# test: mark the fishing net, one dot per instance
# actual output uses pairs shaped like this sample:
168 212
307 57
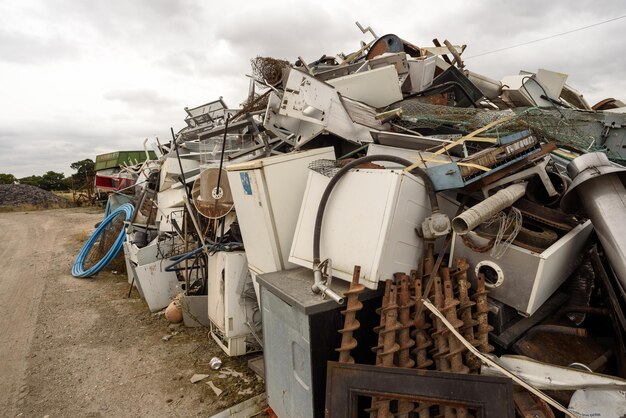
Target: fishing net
566 128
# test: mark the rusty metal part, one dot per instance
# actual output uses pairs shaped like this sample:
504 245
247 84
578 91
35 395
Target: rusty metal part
429 257
350 323
482 311
422 341
390 347
404 337
534 234
440 350
449 310
387 346
469 243
465 312
373 410
344 381
548 216
456 347
381 326
528 405
391 43
559 329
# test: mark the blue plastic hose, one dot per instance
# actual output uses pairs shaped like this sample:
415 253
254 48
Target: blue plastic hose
107 208
78 270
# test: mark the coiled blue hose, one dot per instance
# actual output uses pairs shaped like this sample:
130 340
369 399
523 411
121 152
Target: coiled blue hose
78 268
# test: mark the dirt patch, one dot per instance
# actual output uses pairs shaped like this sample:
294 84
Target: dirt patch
94 352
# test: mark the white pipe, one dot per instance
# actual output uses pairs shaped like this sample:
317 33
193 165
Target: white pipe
478 214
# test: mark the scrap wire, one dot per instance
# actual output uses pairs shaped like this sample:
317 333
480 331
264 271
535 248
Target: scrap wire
495 365
513 219
498 248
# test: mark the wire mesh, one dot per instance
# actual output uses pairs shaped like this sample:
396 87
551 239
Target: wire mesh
568 128
326 168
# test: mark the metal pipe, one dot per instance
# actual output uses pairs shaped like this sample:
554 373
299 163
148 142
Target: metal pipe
558 329
319 286
604 200
484 210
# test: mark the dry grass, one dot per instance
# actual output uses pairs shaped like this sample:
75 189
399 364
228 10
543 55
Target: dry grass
67 195
27 207
80 237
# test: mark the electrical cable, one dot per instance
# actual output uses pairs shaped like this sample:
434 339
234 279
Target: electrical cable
546 38
78 270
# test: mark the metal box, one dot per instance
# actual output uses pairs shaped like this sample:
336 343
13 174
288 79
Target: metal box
421 73
300 336
525 279
370 221
228 274
267 195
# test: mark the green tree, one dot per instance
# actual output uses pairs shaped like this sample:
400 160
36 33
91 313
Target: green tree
7 178
53 181
31 180
84 168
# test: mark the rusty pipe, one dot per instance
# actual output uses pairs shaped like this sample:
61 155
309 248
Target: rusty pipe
559 329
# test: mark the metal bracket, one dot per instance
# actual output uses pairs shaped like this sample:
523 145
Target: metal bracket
538 169
326 267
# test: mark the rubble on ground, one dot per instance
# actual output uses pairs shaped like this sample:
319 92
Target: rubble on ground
30 197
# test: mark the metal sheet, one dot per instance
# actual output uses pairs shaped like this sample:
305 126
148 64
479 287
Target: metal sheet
376 88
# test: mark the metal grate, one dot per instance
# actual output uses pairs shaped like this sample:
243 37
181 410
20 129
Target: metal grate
326 168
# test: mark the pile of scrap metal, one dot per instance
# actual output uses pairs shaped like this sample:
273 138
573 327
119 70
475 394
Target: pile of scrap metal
480 237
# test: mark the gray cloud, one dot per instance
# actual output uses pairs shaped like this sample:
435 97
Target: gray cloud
187 52
310 31
141 99
22 48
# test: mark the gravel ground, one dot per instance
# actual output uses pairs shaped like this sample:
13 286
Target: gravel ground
80 348
31 197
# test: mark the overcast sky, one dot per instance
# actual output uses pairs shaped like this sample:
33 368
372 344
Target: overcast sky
80 78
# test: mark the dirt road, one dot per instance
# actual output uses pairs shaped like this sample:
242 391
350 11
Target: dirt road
78 347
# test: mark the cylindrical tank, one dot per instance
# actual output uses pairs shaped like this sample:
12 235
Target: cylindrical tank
599 187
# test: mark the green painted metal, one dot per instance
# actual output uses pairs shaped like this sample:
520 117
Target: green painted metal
119 158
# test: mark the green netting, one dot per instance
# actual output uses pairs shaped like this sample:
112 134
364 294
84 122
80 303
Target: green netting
573 129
